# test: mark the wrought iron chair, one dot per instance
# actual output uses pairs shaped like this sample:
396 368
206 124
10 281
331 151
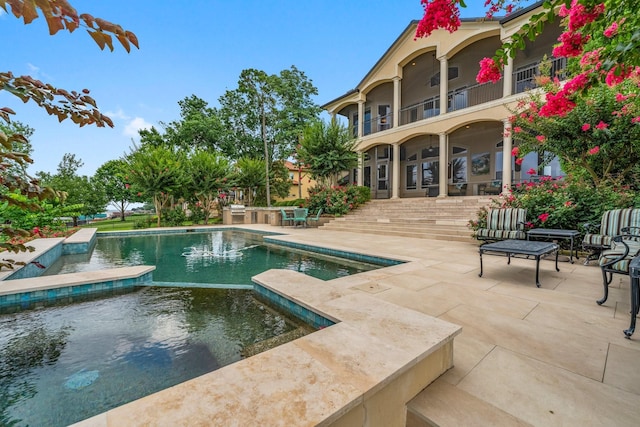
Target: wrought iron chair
316 218
624 248
503 224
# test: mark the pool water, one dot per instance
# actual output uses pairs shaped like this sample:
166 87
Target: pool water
215 257
69 362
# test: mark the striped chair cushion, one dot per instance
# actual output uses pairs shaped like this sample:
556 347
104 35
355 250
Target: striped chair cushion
506 219
488 234
621 266
596 240
634 247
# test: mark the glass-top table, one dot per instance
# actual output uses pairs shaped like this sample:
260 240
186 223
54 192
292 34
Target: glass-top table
525 248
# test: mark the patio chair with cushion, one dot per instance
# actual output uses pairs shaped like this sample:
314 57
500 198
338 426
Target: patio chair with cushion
624 248
503 224
285 218
611 224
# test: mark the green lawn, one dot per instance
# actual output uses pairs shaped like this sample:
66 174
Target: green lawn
128 223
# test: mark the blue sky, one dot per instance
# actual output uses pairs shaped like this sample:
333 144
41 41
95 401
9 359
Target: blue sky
190 47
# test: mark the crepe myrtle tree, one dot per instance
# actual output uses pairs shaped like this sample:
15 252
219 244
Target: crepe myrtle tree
114 178
604 34
76 106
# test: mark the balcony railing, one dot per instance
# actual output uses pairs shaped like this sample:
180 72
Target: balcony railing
378 124
456 100
474 95
525 78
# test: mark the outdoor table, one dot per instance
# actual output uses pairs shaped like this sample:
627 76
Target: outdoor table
528 248
634 274
556 233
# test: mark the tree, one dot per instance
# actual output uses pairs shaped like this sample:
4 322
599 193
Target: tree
602 121
85 194
114 178
250 176
327 149
604 34
159 173
79 107
199 126
265 115
210 175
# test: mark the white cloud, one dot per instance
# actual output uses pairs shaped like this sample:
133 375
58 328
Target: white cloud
119 114
132 128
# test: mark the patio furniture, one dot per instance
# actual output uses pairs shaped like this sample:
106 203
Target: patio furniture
526 248
285 218
503 224
316 218
616 260
634 275
611 224
300 216
555 233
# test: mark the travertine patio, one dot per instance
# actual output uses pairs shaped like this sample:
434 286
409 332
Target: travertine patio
526 356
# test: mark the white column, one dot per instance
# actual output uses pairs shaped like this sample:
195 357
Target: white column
444 83
395 176
360 168
444 163
360 118
507 76
396 101
506 158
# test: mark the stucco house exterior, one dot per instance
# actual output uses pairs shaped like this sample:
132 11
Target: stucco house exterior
406 130
301 181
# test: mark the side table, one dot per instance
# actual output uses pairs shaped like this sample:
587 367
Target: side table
556 233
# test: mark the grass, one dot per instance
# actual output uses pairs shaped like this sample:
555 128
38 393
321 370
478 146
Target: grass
117 224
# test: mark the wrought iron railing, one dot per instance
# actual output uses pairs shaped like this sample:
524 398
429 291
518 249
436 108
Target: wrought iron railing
525 78
378 124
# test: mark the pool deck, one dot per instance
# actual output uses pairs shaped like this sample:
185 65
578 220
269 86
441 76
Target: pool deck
525 356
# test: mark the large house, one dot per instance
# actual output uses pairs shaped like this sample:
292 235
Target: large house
420 108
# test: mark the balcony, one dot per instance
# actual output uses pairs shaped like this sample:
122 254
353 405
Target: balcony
524 78
457 99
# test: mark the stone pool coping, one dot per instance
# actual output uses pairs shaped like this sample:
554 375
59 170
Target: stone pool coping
362 370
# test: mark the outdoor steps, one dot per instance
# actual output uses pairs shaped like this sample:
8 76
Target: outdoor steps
428 218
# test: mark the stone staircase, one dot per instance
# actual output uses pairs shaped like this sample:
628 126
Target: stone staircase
428 218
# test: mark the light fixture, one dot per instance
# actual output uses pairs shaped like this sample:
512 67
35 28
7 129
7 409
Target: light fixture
413 63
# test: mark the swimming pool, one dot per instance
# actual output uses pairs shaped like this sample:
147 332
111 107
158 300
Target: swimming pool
65 363
69 362
213 257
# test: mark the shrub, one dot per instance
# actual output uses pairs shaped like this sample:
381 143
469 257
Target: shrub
175 217
568 204
337 200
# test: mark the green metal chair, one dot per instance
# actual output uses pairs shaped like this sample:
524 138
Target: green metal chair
285 218
316 218
300 216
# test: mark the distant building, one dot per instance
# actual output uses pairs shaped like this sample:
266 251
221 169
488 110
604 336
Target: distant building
301 181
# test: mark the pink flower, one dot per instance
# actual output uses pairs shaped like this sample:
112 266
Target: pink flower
489 71
602 125
438 14
531 171
543 217
515 151
558 104
517 129
586 127
519 161
611 31
594 150
577 83
568 203
541 138
635 119
571 44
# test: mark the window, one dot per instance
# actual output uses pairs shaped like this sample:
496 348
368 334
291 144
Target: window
412 177
431 107
367 121
384 117
354 125
430 173
452 74
383 152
